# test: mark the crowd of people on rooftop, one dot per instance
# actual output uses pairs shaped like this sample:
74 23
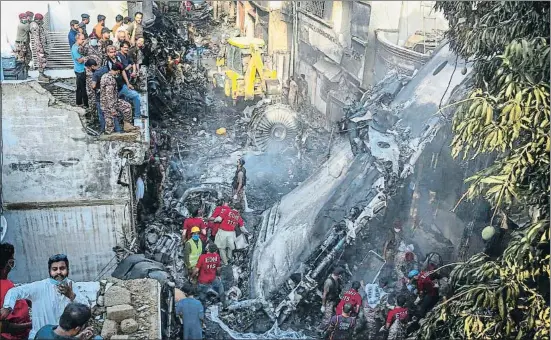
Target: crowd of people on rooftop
107 64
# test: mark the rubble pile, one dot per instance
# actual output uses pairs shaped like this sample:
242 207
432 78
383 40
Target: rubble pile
128 309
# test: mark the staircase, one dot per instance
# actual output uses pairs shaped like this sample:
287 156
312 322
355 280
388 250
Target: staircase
58 51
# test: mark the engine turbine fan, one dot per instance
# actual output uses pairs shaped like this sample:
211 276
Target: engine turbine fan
274 127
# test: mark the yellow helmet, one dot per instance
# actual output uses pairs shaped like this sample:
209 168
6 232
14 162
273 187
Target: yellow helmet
195 230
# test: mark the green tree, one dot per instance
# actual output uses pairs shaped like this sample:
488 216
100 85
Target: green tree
506 117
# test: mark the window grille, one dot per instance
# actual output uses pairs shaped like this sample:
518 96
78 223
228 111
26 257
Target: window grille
316 8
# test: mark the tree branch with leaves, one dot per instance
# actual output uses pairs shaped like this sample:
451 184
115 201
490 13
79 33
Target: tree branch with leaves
506 118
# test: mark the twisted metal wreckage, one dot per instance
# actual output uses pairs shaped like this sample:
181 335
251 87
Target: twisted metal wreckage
387 131
294 236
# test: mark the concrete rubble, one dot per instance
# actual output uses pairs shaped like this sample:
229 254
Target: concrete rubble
128 309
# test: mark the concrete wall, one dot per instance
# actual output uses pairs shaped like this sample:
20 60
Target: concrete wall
60 190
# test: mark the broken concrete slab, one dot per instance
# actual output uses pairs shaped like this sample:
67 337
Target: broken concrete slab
116 296
120 312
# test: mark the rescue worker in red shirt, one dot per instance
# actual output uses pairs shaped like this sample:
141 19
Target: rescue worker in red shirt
194 221
353 298
18 324
216 217
427 292
396 320
207 271
225 236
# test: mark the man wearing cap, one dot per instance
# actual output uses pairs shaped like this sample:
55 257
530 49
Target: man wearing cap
39 45
85 21
110 103
73 32
22 40
193 249
49 297
104 42
100 25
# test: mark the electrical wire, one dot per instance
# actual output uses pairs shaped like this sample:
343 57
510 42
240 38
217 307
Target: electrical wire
449 83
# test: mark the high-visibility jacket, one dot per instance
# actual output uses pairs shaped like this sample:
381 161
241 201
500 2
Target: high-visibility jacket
196 251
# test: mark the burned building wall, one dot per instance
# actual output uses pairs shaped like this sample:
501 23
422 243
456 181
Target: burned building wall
60 185
389 56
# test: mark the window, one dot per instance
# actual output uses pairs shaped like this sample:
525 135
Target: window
317 8
361 14
234 59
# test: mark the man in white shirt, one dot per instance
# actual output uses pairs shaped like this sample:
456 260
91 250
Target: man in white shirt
49 296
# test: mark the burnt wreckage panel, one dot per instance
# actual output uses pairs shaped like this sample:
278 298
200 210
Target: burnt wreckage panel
387 131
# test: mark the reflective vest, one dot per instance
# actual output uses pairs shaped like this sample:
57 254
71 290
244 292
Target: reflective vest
196 251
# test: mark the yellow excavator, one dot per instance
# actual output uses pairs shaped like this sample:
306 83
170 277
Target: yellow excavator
242 71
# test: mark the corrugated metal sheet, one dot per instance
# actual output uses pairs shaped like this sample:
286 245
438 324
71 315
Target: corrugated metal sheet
86 234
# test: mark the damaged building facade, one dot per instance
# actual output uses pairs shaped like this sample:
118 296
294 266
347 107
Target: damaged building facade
342 47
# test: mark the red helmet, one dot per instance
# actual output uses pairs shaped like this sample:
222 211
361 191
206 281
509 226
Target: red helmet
23 16
38 16
29 14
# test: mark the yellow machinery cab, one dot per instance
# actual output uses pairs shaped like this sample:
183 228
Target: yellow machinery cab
245 73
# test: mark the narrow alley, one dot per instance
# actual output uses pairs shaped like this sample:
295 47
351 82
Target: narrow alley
271 170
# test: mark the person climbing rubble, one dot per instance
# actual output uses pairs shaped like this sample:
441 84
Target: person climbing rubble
192 313
341 327
207 272
352 296
194 221
193 248
238 184
330 298
39 45
49 297
427 293
396 320
225 238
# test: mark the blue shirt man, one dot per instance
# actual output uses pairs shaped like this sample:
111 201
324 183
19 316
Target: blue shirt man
193 314
79 65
